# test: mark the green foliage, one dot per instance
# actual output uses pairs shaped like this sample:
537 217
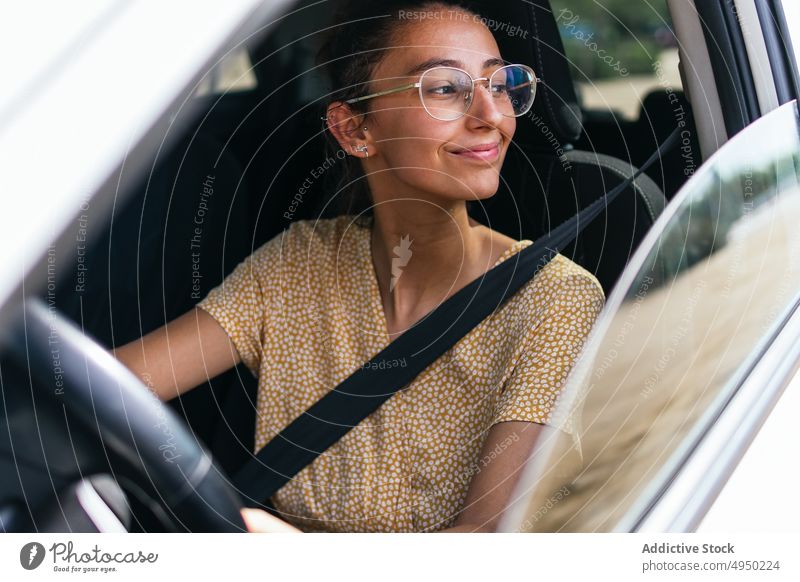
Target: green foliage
604 37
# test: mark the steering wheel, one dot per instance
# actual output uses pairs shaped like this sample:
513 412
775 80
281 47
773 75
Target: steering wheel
100 393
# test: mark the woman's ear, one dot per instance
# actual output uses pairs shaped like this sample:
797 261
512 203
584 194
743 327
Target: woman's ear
349 130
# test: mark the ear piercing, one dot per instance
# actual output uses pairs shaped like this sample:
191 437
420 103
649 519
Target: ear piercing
363 149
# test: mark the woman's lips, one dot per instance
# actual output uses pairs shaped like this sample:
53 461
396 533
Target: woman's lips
484 152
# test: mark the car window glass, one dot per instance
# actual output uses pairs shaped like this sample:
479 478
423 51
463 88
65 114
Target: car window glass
233 73
619 51
694 311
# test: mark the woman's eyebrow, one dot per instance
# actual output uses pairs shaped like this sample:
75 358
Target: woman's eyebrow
437 62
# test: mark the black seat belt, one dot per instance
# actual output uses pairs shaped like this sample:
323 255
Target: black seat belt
333 415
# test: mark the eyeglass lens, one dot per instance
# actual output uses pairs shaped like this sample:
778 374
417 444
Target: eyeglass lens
447 92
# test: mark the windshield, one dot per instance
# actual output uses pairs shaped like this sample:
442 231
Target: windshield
709 289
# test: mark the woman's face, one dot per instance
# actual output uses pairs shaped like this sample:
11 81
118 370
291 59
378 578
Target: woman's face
439 161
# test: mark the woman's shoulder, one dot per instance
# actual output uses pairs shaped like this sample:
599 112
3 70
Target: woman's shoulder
561 291
305 240
561 278
559 271
567 272
318 227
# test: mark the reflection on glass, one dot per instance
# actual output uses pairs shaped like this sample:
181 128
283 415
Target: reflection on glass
669 354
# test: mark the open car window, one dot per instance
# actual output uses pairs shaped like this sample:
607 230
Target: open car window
619 52
232 74
697 308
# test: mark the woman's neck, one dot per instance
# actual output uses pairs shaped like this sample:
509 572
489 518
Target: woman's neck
423 254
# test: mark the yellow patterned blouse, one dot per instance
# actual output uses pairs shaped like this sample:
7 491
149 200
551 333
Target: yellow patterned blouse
304 312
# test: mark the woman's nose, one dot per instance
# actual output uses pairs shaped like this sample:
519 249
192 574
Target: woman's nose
484 106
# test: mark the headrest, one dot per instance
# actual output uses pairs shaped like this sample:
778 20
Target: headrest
527 32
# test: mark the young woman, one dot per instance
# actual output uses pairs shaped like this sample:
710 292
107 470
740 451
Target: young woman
426 108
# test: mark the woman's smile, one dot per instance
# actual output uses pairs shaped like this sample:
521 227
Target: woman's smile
483 152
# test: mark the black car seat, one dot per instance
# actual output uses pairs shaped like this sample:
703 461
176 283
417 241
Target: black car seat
545 179
661 112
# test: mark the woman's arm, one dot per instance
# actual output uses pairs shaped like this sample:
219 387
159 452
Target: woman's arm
541 372
259 521
180 355
490 489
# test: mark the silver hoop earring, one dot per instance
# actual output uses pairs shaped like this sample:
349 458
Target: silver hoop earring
363 149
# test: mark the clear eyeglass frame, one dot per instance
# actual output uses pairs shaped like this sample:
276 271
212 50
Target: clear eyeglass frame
418 85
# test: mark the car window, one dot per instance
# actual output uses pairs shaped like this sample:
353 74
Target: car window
708 291
620 51
233 73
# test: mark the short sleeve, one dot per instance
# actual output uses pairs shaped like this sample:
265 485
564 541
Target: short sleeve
532 389
239 303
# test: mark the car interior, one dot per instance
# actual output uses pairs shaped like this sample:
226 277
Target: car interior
230 183
260 144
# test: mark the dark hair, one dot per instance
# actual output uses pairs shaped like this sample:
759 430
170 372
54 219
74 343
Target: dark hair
356 43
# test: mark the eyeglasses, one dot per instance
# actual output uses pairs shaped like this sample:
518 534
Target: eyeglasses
446 92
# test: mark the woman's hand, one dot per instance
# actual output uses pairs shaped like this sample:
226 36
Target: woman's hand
259 521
